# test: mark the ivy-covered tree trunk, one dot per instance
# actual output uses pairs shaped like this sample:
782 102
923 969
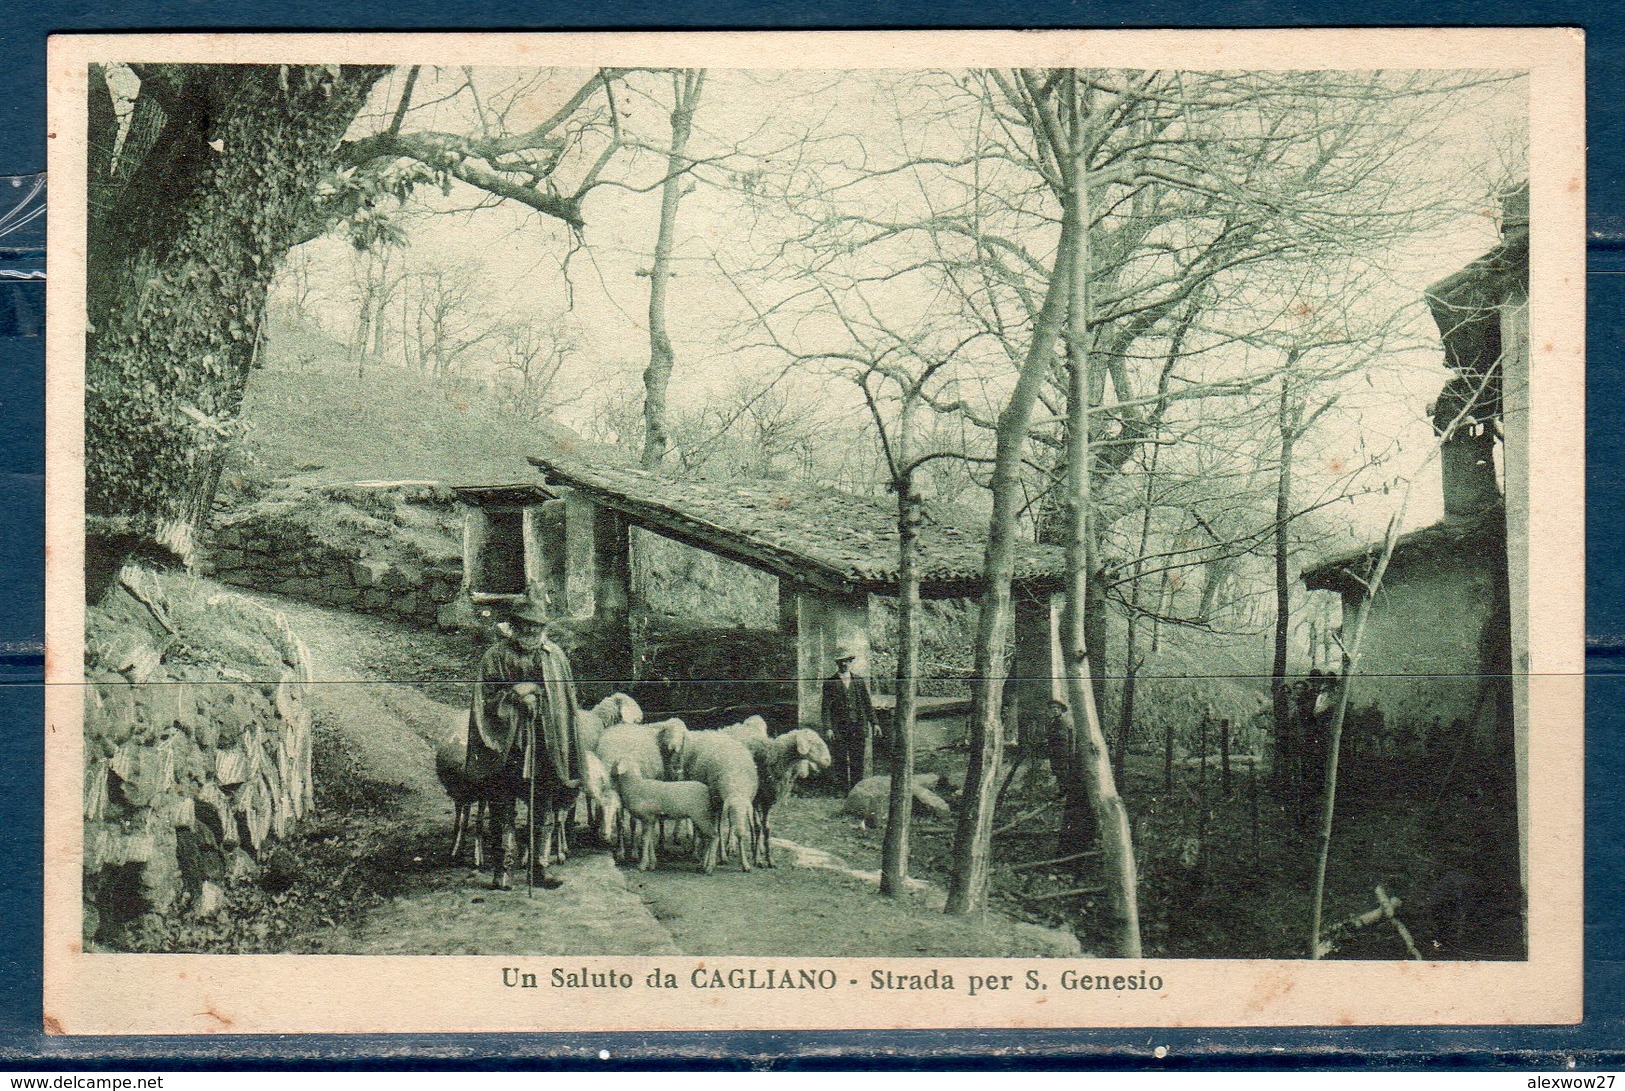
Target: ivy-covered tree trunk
213 183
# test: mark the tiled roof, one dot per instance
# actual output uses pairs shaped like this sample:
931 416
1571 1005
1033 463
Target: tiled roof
820 536
1484 535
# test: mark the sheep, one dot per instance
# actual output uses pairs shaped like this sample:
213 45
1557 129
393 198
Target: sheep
752 731
780 762
591 723
470 802
449 759
469 805
639 744
649 801
727 767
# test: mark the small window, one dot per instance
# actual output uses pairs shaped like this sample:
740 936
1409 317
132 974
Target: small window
502 561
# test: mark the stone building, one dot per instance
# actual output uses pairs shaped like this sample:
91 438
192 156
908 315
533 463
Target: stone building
1442 682
830 552
1436 657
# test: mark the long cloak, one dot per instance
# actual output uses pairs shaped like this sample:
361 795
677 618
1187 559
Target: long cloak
499 721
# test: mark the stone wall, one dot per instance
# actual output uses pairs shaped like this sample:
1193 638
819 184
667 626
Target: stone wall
197 748
1423 663
684 669
393 550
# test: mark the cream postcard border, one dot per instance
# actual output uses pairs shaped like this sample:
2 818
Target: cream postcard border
201 994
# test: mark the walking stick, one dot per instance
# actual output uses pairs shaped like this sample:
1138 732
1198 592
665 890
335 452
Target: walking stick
530 815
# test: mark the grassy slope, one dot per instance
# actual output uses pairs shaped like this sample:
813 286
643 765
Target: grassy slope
322 426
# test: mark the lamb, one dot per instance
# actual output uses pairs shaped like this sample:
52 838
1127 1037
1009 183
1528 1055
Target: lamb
639 744
649 801
780 762
727 768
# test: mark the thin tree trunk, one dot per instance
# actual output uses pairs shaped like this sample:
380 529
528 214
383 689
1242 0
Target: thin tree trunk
1285 771
967 889
407 360
657 377
1164 595
894 851
1111 817
1168 756
363 334
380 302
1125 718
1201 758
1351 665
1252 791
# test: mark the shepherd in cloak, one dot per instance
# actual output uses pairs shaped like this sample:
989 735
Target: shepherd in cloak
522 737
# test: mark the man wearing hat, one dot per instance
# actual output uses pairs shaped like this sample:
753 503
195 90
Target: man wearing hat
849 720
522 735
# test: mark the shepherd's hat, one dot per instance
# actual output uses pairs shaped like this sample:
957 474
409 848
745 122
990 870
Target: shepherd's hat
531 610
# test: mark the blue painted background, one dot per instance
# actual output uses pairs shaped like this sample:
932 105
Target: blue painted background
1601 1039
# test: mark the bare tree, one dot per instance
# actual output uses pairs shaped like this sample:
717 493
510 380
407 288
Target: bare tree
551 167
685 91
1063 111
379 279
529 359
297 288
447 318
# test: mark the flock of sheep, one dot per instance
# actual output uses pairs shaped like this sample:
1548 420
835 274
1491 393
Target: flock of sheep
637 776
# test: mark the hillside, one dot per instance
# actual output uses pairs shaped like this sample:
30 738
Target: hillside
322 427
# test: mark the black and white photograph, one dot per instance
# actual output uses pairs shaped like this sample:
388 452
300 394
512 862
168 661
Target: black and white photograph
817 527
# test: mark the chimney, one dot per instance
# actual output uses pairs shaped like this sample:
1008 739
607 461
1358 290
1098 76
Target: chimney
1515 209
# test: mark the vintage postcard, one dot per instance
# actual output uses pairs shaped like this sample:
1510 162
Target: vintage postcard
576 532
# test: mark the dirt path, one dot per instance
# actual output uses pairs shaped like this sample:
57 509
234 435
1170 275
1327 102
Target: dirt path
812 904
445 908
816 904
